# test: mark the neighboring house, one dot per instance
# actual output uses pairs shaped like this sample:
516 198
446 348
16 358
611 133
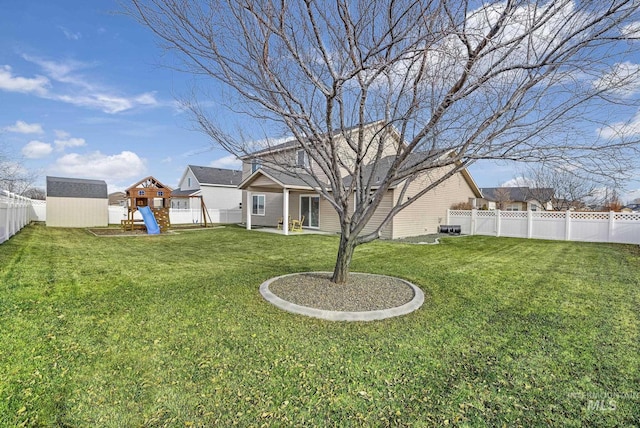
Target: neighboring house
75 202
217 186
118 198
269 192
516 199
631 208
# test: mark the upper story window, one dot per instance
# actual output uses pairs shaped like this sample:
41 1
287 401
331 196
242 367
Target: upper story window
188 181
256 164
302 160
140 192
160 193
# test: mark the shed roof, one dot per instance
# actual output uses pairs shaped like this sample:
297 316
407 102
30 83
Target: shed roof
219 176
62 187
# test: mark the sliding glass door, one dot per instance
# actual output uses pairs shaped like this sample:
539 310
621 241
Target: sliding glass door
310 209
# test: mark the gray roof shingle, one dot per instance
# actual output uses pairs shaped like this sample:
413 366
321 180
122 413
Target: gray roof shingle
62 187
519 194
220 176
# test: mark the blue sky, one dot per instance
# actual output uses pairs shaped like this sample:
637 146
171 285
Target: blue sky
83 94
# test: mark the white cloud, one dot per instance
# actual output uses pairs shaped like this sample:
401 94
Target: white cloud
227 162
75 88
121 166
623 79
69 142
69 34
22 127
518 182
36 149
61 134
9 82
622 129
631 30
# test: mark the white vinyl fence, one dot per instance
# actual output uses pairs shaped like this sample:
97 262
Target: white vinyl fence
182 216
621 228
15 213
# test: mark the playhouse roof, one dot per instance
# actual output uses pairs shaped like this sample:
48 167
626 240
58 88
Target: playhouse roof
148 182
62 187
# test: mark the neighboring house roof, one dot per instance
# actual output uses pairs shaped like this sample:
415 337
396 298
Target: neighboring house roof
216 176
518 194
179 193
116 198
61 187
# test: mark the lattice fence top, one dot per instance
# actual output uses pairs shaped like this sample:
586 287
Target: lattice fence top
460 213
627 216
486 213
589 216
513 214
549 214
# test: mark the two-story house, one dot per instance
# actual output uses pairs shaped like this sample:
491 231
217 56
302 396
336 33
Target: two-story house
218 188
272 192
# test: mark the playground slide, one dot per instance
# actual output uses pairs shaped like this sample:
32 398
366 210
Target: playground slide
149 221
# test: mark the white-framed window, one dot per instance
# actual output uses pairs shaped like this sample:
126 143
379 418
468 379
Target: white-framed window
140 192
256 164
302 160
258 205
513 207
160 193
533 207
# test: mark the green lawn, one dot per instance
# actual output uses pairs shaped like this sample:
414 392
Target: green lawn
172 331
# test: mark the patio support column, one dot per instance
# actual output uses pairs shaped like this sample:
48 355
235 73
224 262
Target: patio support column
285 211
249 205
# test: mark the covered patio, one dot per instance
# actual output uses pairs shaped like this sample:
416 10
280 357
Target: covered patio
304 208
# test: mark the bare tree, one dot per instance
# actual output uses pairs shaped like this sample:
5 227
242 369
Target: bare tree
14 177
502 197
456 81
565 188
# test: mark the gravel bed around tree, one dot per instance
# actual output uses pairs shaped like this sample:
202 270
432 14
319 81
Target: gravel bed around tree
363 292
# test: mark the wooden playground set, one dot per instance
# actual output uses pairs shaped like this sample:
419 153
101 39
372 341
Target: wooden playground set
153 200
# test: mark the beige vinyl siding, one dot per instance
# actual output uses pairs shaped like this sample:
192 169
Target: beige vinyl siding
272 209
383 209
77 212
329 221
427 213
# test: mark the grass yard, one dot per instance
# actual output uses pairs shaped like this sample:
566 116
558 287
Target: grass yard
172 331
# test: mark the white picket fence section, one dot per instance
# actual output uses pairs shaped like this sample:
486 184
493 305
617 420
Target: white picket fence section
15 213
623 228
182 216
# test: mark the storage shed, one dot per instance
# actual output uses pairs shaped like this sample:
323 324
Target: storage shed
76 202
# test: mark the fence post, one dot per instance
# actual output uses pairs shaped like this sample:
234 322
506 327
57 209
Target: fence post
448 216
498 221
529 224
567 225
612 218
473 221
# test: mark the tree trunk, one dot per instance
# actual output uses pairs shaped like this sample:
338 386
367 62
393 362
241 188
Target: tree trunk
345 252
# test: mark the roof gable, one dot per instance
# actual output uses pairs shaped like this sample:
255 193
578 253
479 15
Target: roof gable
62 187
216 176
